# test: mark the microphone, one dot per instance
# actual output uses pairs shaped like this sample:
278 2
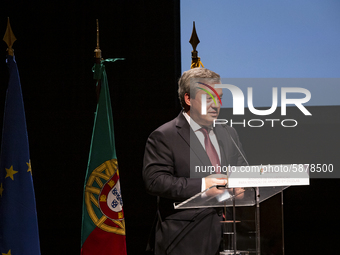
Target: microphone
238 148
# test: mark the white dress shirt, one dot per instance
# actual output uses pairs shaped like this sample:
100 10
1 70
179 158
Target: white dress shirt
196 128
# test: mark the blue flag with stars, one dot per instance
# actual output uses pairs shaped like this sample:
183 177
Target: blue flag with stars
18 217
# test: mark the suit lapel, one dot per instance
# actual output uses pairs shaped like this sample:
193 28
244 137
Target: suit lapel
223 138
185 131
225 144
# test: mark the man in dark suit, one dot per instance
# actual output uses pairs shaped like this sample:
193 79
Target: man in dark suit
173 151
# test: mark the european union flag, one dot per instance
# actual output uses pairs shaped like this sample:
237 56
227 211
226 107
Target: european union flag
18 217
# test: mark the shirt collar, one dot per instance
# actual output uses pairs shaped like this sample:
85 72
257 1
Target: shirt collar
193 124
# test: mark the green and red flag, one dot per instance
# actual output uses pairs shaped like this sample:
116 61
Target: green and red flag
103 225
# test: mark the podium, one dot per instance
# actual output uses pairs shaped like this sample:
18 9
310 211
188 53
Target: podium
242 231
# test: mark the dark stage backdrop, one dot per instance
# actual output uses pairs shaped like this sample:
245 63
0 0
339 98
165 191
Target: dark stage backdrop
54 52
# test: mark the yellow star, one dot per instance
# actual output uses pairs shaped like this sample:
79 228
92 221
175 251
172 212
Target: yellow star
29 166
1 190
10 172
8 253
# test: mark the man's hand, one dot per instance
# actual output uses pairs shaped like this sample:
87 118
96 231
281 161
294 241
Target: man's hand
209 181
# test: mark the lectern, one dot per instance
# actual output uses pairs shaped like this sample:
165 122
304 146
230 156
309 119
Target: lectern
241 203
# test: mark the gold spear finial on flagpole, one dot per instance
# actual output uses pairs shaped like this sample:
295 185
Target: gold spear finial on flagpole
9 39
97 61
194 41
97 51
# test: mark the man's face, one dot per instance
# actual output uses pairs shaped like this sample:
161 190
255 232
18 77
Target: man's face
212 106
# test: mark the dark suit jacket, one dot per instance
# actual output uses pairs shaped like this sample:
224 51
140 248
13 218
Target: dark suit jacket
167 161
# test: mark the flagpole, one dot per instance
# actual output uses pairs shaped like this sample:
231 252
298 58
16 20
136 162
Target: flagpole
97 60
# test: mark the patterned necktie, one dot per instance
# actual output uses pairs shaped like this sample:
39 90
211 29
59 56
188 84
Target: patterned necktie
210 149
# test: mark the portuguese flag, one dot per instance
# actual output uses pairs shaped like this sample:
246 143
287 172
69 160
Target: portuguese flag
103 225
